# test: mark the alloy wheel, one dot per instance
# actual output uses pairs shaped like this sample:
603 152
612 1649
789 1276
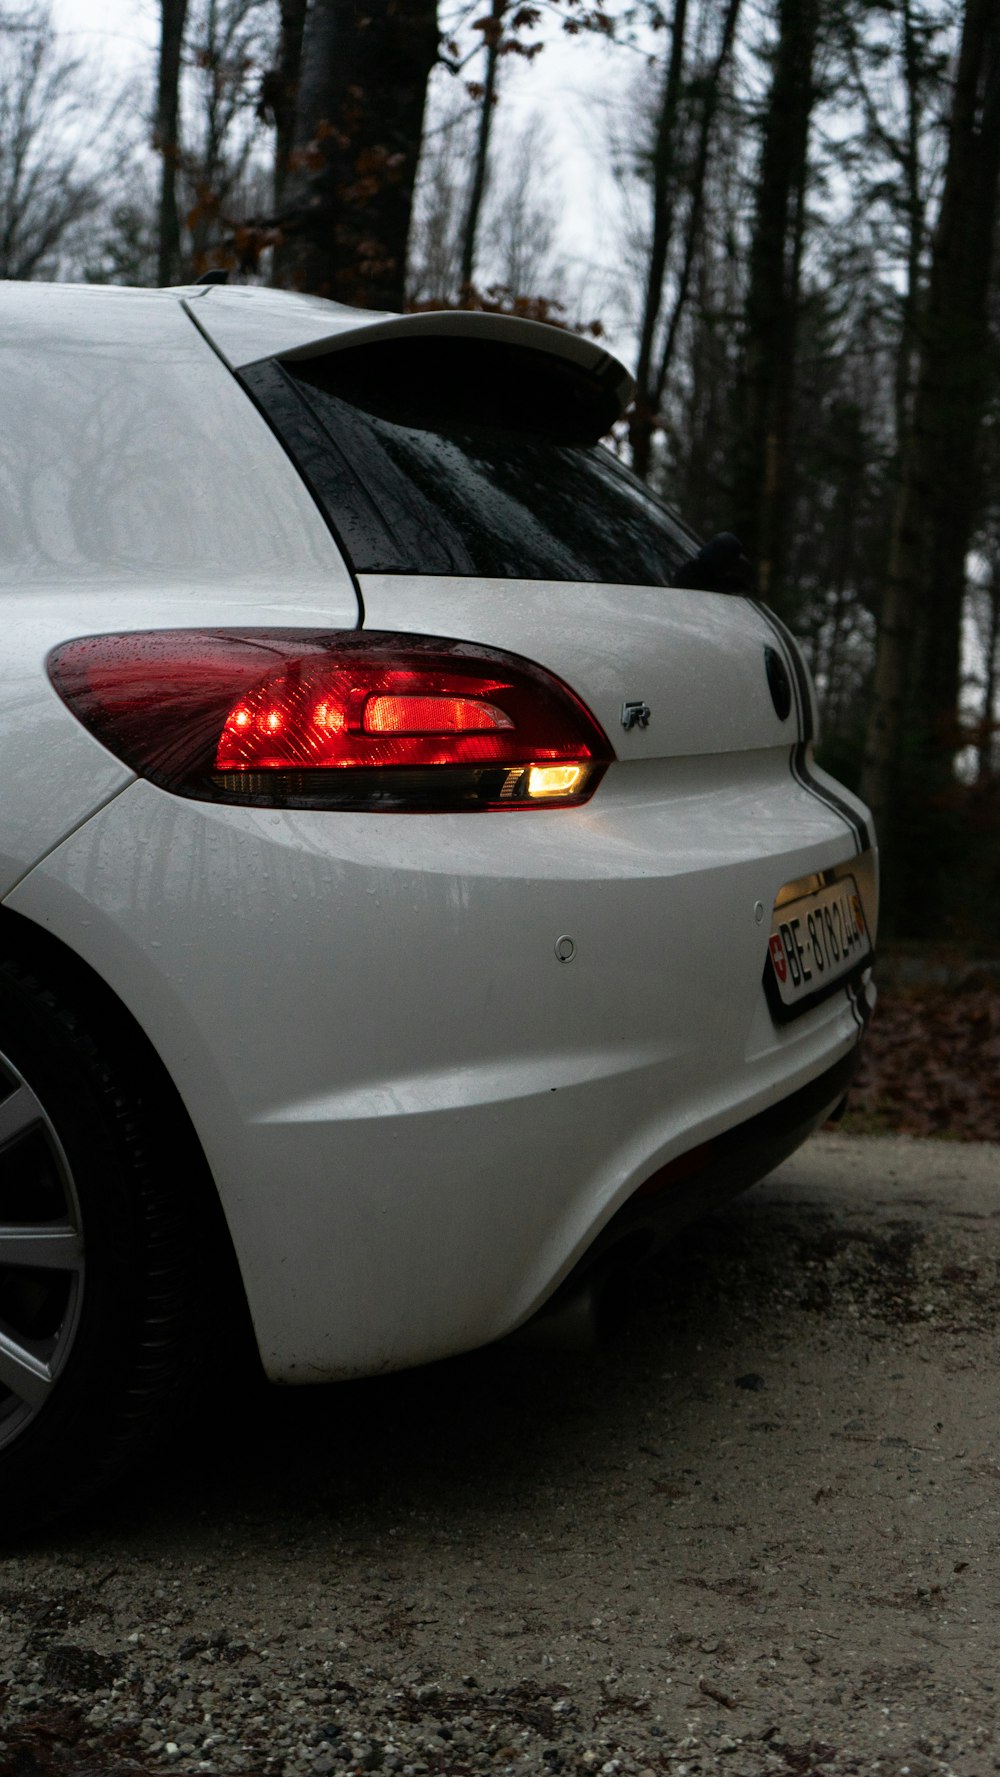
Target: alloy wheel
41 1255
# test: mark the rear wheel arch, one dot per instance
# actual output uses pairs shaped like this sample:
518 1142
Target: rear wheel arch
101 1144
39 954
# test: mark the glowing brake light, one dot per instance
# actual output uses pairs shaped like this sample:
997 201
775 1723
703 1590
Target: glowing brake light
350 720
432 715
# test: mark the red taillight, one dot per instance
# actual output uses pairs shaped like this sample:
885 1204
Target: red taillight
350 712
349 720
407 713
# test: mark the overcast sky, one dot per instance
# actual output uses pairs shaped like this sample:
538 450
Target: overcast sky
123 31
566 85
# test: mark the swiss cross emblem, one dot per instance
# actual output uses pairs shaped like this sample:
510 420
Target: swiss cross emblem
778 957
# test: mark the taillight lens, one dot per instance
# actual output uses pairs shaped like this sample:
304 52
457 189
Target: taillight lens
354 719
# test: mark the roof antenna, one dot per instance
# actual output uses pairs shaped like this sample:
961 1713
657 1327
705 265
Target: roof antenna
219 276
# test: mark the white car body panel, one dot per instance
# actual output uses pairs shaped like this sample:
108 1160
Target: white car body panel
129 453
416 1116
140 488
696 658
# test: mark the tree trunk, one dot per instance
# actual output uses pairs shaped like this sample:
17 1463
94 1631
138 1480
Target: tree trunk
991 647
173 14
761 491
282 90
915 222
692 231
643 421
913 730
480 165
349 188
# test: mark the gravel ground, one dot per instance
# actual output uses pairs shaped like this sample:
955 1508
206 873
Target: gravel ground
755 1534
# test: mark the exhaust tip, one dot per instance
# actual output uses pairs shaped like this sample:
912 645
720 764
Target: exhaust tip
570 1323
586 1310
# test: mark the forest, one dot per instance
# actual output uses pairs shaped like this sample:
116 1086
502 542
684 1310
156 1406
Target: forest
800 267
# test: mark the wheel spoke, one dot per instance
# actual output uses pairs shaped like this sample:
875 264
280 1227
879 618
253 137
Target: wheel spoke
22 1371
53 1248
18 1113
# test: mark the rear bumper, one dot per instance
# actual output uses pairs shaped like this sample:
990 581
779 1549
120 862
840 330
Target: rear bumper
676 1194
418 1117
710 1174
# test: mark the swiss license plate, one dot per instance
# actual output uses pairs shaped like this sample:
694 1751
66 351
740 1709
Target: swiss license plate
817 939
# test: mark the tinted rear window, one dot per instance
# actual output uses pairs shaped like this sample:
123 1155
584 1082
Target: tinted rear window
444 457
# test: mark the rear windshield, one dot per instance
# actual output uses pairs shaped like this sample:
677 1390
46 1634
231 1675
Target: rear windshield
480 464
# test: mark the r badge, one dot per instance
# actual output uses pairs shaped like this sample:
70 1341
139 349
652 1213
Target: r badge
635 715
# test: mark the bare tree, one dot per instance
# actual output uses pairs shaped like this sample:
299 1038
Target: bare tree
52 177
986 617
913 732
434 262
221 164
492 27
517 232
774 296
664 187
166 136
895 63
122 245
684 137
172 222
508 28
710 93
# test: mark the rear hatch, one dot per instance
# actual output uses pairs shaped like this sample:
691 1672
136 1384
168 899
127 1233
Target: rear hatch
457 460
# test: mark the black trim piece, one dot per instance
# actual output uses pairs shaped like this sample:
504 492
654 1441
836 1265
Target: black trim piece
796 1111
855 994
804 696
783 1014
802 774
799 761
779 683
859 1002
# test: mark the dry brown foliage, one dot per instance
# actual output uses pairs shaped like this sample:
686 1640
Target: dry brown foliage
931 1063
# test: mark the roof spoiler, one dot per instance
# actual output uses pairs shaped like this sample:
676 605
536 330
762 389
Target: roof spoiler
249 325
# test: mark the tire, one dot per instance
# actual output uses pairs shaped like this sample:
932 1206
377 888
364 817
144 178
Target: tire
100 1257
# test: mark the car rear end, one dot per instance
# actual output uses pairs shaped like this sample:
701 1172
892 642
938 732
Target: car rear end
446 1017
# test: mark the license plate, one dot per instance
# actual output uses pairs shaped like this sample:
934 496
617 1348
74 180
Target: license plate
816 940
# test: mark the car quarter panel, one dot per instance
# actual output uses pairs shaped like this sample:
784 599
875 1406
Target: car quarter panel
137 482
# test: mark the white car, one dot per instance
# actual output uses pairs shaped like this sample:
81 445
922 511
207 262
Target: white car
418 890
